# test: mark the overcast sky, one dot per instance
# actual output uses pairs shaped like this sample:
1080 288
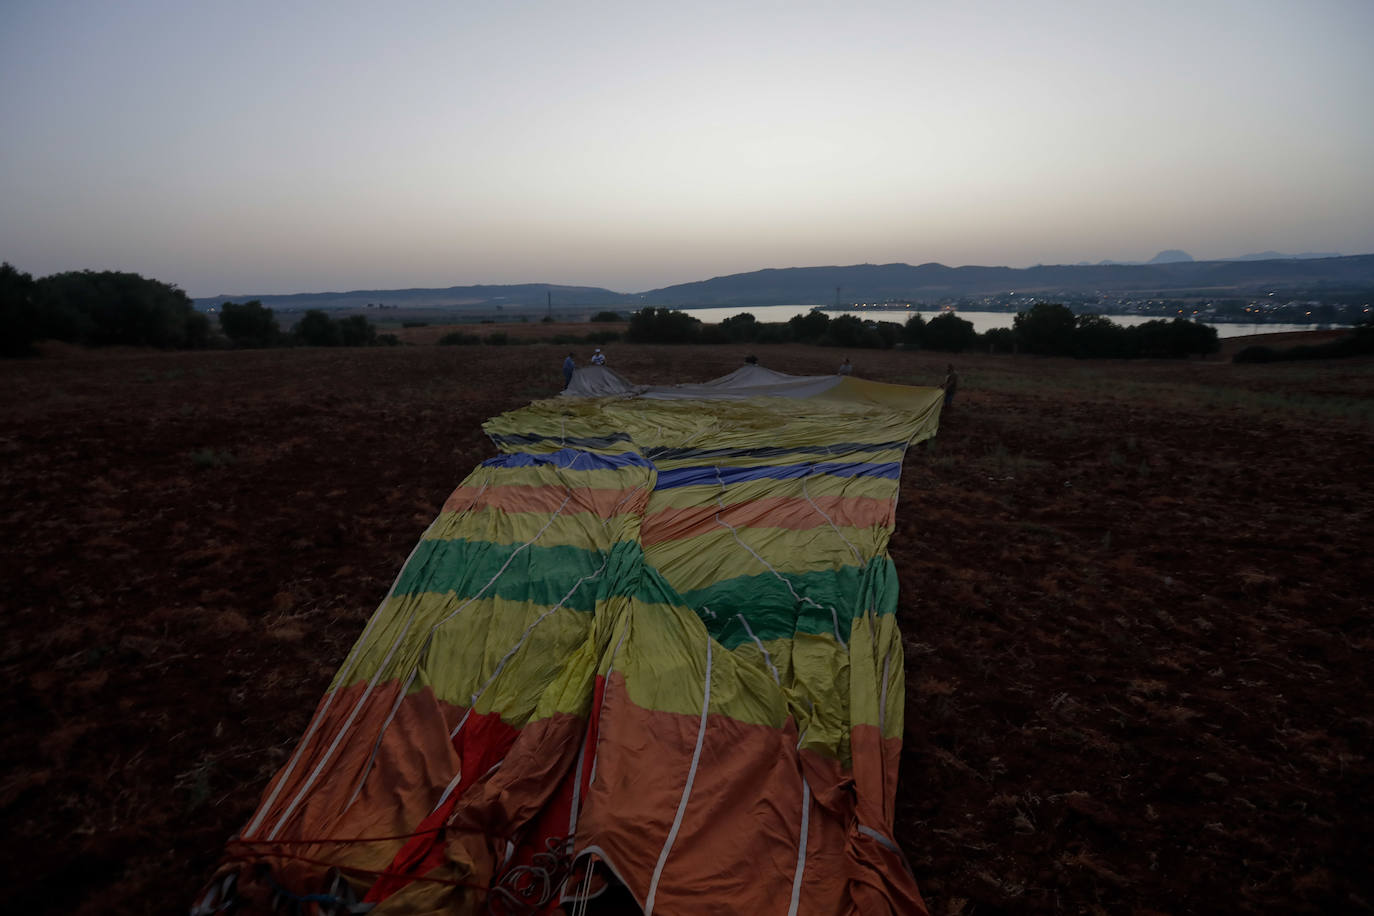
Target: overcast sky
273 147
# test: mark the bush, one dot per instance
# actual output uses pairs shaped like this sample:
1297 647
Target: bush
20 318
608 316
414 324
809 328
889 333
357 331
656 325
113 308
914 332
498 338
1000 340
249 325
1096 336
950 333
1046 328
741 328
1174 339
316 329
459 339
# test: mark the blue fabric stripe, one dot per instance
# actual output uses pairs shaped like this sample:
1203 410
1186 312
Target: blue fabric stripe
572 459
773 451
687 477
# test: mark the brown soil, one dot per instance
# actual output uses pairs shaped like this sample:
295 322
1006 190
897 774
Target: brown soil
1136 600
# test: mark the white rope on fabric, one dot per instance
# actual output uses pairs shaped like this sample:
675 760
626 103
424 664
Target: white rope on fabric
501 665
343 730
348 724
800 599
686 789
801 848
596 749
767 659
834 527
349 661
377 745
510 559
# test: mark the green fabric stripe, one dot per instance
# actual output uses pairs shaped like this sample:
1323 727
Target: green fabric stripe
773 613
541 575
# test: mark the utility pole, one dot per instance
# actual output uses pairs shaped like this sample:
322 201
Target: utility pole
549 293
837 297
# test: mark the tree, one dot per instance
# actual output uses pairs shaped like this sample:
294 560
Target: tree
20 318
809 328
845 331
741 328
657 325
914 332
607 316
357 331
950 333
316 329
1045 328
112 307
249 325
1095 336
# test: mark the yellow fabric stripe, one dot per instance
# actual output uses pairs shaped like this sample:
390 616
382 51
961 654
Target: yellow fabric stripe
567 529
818 485
541 476
696 562
745 461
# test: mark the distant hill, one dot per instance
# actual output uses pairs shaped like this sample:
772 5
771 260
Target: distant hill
873 282
1171 256
931 282
478 298
1276 256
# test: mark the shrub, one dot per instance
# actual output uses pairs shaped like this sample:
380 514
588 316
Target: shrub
809 328
914 332
950 333
656 325
608 316
316 329
1000 340
414 324
249 325
498 338
1045 328
459 338
357 331
1096 336
741 328
20 318
115 308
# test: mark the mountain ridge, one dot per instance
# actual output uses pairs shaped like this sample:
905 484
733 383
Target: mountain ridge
821 285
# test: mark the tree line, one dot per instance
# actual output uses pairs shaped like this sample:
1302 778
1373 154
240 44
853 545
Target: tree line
1047 329
113 308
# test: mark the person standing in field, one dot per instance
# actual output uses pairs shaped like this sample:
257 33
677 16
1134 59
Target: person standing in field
598 358
846 368
569 367
951 384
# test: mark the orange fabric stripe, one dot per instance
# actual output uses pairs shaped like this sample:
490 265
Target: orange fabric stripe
770 512
740 830
545 500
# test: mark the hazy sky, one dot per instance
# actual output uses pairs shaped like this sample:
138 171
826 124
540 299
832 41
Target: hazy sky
272 147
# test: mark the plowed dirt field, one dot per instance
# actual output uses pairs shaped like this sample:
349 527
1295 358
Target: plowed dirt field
1136 604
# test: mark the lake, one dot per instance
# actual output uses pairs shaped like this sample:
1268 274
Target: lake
982 321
